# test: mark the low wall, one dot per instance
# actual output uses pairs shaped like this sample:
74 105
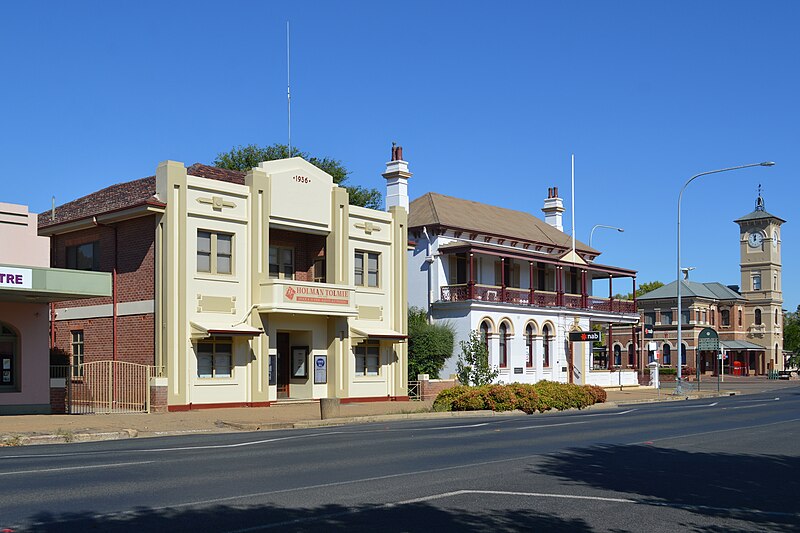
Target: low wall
430 388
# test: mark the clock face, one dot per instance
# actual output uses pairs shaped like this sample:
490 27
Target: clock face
775 239
755 240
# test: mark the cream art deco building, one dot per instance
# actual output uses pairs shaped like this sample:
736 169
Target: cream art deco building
244 288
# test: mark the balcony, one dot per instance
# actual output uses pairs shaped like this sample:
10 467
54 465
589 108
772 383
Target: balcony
307 297
524 297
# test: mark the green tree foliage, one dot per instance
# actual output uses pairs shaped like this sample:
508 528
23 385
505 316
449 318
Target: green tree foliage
473 366
429 345
791 336
644 288
243 158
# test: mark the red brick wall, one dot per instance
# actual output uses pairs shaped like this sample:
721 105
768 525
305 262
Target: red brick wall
158 399
135 261
58 400
306 248
428 390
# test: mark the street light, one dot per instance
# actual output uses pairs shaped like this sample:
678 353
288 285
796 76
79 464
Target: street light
678 278
602 226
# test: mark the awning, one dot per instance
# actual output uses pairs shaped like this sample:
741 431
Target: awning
211 330
376 333
741 345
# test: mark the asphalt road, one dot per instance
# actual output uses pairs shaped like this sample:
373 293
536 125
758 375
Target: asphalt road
727 464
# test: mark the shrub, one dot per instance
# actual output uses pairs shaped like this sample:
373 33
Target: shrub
527 399
499 397
471 400
598 394
561 396
444 400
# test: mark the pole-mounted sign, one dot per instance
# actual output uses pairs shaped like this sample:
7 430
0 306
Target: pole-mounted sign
708 340
584 336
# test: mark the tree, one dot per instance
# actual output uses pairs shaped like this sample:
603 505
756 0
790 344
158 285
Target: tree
429 345
644 288
791 336
473 366
243 158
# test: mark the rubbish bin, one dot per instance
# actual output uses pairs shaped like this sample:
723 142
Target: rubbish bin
737 368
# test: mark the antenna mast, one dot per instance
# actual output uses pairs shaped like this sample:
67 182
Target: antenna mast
288 91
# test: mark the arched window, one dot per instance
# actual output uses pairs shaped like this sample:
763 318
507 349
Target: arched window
776 318
667 351
529 345
485 334
683 354
503 345
711 314
725 317
740 318
631 355
546 344
617 355
9 363
758 317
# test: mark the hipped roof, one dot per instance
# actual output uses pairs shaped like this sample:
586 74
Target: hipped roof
434 209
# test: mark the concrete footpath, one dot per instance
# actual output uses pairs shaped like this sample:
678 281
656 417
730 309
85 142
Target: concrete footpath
21 430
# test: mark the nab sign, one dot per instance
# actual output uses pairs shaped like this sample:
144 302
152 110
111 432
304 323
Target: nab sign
584 336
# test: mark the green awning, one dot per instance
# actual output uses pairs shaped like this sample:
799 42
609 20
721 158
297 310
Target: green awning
24 284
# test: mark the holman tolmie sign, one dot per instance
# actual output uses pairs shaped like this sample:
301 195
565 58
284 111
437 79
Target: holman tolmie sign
317 295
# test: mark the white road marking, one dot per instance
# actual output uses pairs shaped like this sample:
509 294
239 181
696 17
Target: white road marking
511 493
450 427
715 431
750 406
545 426
84 467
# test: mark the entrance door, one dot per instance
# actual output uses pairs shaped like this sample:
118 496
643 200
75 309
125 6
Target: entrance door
284 346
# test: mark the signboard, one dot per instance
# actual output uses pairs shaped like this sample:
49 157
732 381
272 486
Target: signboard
652 346
316 295
15 278
648 331
299 360
584 336
273 376
320 369
518 370
708 340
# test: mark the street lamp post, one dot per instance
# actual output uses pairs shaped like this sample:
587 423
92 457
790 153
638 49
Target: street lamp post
678 278
591 234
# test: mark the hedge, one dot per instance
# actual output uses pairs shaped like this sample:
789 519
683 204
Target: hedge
542 396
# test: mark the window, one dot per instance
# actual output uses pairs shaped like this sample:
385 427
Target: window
84 256
368 358
77 353
683 355
281 262
711 314
617 355
756 281
319 270
685 316
777 322
667 352
484 329
366 269
758 317
458 268
503 345
740 318
214 357
546 344
725 317
666 317
774 282
214 252
529 345
631 355
9 365
650 318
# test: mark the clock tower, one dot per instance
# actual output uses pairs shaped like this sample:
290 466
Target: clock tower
760 265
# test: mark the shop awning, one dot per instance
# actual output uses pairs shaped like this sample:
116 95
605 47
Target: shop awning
203 331
376 333
741 345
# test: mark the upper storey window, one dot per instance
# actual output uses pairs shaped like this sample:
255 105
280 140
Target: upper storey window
84 256
214 252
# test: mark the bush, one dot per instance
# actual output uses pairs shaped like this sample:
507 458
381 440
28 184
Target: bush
470 400
598 394
561 396
444 400
527 399
499 397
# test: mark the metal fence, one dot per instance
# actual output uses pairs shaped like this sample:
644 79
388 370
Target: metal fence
106 387
414 393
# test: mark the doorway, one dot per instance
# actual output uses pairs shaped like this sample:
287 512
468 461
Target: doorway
283 349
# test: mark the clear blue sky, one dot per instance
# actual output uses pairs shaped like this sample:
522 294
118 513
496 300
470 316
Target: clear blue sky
488 99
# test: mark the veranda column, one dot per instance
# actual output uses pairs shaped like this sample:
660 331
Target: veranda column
635 346
471 284
608 348
502 279
532 275
584 291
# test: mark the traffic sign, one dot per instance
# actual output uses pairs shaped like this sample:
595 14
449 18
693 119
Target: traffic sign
584 336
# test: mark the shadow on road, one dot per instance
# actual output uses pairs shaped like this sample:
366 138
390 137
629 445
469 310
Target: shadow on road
412 517
761 490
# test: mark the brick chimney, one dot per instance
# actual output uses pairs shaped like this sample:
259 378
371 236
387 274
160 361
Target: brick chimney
397 175
553 207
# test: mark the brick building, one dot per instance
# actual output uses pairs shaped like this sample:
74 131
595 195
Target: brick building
264 285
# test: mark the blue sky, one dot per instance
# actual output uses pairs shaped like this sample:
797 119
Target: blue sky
488 99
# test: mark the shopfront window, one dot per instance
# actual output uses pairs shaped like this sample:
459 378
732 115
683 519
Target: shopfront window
214 357
368 358
9 365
